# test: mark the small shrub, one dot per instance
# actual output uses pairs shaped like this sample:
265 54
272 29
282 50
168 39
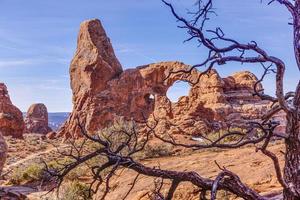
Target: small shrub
75 190
16 177
76 173
34 172
159 150
60 164
233 138
29 173
120 132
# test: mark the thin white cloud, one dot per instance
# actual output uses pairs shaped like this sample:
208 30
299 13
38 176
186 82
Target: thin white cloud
32 61
13 63
133 50
2 46
51 87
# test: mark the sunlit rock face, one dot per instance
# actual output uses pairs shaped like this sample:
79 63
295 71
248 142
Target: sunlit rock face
102 91
213 103
93 65
36 120
11 118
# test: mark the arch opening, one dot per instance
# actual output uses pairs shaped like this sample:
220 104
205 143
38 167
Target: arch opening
178 90
149 98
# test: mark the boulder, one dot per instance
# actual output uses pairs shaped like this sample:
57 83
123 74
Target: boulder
102 91
11 118
36 120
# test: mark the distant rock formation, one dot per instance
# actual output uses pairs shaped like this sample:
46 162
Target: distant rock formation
3 152
36 120
102 91
11 118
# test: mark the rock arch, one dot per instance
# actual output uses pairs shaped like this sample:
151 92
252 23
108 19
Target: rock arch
102 91
178 90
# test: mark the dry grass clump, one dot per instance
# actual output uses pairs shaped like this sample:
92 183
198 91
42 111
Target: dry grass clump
75 190
158 150
30 173
213 136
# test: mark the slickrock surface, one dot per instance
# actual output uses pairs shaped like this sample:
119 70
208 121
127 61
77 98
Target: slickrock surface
36 120
102 91
11 118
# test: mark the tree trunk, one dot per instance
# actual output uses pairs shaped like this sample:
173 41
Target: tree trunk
296 23
292 158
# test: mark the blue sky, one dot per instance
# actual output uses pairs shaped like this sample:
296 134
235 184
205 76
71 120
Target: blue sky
38 39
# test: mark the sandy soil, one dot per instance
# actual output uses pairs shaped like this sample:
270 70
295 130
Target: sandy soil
31 147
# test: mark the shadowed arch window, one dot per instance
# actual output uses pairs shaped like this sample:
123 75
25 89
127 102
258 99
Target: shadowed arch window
149 98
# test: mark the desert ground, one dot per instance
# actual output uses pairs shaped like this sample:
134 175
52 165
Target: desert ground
254 169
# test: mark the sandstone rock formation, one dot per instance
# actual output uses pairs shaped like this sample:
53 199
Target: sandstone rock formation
3 152
94 54
36 120
213 103
11 118
102 91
